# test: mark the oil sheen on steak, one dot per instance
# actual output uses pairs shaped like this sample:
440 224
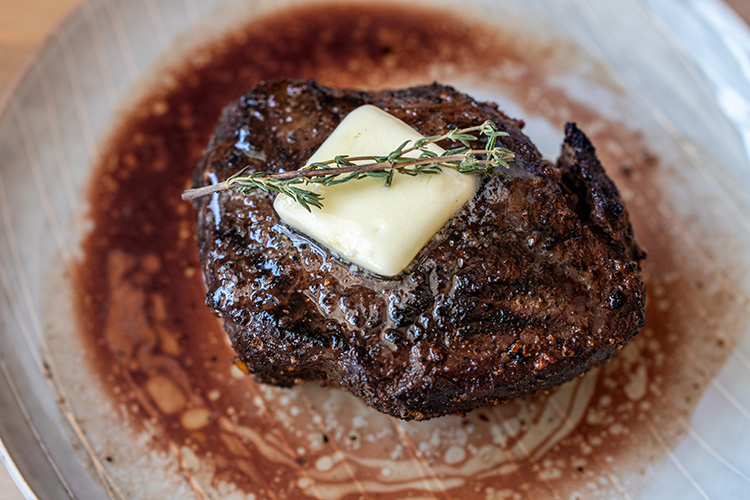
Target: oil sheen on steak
529 285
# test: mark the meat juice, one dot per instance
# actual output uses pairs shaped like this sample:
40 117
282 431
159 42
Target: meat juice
164 359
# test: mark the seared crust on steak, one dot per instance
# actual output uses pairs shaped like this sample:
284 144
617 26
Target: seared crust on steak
531 284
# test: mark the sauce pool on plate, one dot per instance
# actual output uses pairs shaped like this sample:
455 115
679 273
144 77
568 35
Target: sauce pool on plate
164 358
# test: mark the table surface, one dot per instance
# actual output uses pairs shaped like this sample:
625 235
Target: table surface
22 31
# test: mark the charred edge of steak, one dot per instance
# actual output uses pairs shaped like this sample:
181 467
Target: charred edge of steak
597 198
532 283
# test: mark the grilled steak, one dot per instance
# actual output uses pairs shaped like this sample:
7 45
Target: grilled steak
529 285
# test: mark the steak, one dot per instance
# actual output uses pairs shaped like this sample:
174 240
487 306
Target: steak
533 282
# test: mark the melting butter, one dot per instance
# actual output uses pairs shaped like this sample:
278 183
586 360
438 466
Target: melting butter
379 228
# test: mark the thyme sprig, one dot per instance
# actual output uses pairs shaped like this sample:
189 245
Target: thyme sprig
342 168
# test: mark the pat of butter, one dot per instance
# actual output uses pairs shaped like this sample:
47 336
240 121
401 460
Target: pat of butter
376 227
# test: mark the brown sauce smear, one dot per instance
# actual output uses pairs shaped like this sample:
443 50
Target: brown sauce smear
163 355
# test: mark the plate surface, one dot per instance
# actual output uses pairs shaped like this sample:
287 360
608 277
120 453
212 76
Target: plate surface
663 88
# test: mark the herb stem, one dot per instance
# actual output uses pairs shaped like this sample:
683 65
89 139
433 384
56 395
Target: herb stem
194 193
191 194
464 160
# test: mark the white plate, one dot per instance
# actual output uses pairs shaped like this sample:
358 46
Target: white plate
678 73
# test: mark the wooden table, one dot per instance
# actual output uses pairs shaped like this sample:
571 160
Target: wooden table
24 25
